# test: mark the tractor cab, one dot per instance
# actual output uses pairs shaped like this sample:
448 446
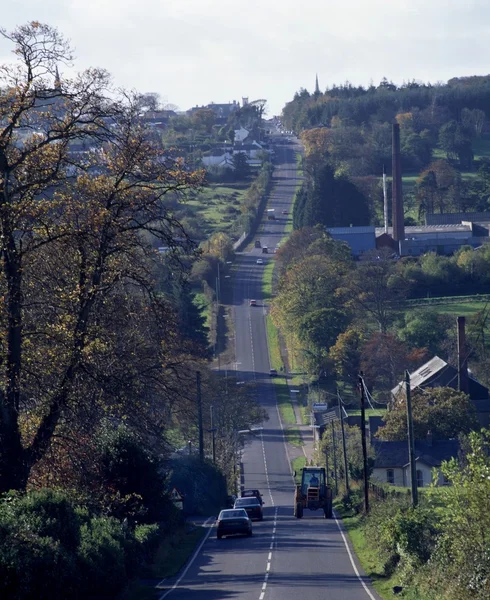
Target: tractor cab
313 492
313 479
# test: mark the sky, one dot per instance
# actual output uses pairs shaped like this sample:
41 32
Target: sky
193 52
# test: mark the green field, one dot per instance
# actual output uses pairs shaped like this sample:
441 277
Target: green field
212 205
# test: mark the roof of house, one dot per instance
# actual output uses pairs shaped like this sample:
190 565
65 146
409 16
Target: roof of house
443 228
391 455
351 230
438 370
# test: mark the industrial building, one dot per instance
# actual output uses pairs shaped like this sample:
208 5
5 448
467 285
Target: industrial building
442 233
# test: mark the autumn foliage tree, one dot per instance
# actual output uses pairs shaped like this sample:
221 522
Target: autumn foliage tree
442 411
83 332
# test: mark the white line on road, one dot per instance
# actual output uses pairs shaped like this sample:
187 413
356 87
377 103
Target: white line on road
368 592
192 559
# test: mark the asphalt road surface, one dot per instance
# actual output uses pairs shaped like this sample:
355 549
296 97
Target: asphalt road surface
286 558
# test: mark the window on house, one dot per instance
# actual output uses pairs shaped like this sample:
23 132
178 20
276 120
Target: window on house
390 476
420 479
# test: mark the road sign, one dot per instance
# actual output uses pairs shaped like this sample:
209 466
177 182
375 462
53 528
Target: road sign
320 406
177 498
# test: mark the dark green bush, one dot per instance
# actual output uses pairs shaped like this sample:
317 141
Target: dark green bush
52 548
102 556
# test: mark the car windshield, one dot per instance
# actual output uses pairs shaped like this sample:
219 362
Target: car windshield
246 502
232 514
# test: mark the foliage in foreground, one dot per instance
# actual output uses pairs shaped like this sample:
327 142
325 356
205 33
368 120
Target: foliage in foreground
53 547
440 550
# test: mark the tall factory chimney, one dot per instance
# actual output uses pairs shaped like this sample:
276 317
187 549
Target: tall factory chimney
463 383
397 212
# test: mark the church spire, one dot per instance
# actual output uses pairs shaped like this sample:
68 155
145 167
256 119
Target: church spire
57 80
317 87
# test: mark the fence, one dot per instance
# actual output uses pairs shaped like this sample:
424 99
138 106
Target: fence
448 300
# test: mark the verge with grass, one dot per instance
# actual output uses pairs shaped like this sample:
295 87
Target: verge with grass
297 464
293 437
370 562
284 403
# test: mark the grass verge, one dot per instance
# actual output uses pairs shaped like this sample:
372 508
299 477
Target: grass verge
297 464
366 554
172 554
283 396
293 437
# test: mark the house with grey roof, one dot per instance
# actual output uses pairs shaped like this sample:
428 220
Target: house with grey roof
438 373
392 461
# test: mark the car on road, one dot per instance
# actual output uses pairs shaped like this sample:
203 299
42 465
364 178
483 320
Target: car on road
253 302
284 212
252 506
233 521
260 261
253 494
273 373
265 250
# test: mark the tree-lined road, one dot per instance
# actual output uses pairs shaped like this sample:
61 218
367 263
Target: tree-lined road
286 558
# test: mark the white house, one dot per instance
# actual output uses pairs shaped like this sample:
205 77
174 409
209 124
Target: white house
219 160
241 134
391 461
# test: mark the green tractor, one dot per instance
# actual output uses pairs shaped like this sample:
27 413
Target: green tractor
313 493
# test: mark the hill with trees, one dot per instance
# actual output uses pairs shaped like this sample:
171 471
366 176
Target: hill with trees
444 141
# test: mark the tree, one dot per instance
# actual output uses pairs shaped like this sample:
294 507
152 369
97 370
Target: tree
375 289
73 251
383 361
455 140
241 166
459 566
425 329
442 411
346 354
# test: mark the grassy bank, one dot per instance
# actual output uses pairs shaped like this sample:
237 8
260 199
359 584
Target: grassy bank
366 554
297 464
284 402
170 557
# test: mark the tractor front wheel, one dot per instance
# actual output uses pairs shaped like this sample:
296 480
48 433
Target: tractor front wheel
299 510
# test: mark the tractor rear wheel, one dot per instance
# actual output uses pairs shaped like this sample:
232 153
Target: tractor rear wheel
299 510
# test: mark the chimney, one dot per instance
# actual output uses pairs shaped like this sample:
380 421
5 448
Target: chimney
463 383
397 211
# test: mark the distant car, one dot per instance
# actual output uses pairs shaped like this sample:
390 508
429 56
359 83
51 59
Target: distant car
272 372
252 506
253 303
265 250
258 244
233 521
284 212
253 494
260 261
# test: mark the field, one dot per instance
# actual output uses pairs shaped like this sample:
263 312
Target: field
214 207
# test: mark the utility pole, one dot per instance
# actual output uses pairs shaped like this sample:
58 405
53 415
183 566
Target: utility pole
363 440
335 458
199 415
213 433
411 443
326 463
346 469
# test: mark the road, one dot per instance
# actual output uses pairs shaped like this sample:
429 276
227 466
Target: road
286 558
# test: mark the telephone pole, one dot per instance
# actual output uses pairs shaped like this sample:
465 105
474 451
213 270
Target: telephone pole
199 415
213 433
346 471
334 445
411 442
363 440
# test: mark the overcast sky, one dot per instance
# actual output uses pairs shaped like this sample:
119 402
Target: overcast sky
199 51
